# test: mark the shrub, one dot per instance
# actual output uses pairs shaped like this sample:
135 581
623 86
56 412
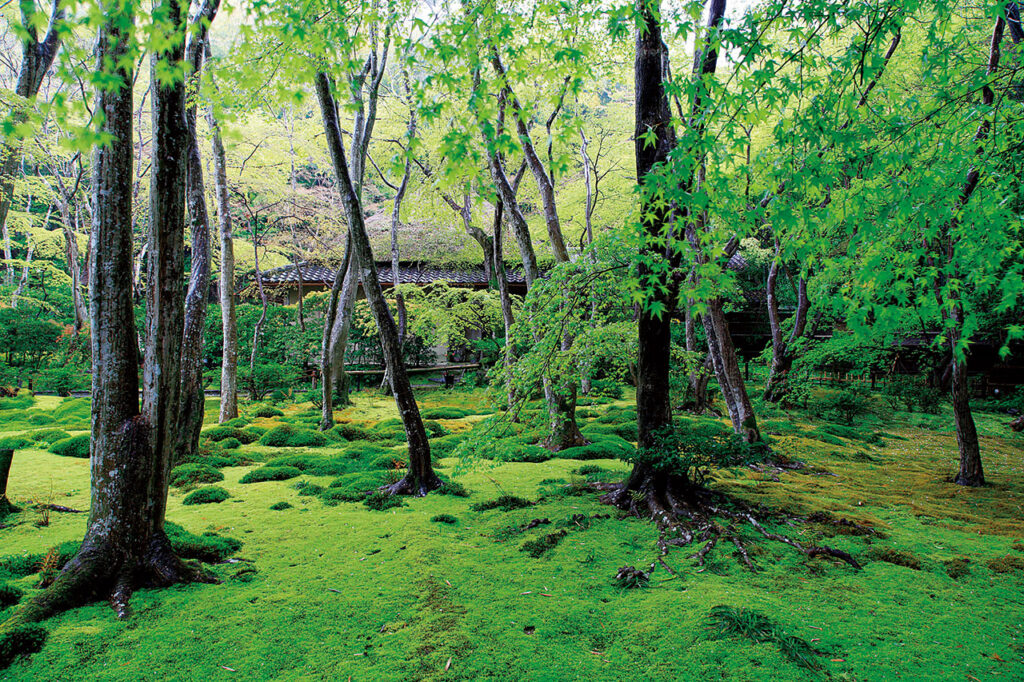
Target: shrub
20 640
60 380
267 411
208 547
287 436
16 443
9 595
381 500
49 436
264 379
210 494
280 506
193 474
504 503
269 473
911 393
606 388
845 404
76 446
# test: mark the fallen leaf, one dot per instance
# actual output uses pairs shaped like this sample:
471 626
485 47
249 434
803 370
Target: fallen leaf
448 664
230 670
838 660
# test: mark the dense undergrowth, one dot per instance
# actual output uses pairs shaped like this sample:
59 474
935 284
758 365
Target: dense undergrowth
510 573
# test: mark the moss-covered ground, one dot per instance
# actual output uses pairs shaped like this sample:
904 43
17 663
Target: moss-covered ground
342 592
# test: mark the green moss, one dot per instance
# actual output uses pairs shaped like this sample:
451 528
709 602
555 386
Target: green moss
958 567
445 413
193 474
269 473
760 629
208 547
308 489
286 436
603 447
15 443
538 547
9 595
20 641
1006 564
266 411
504 503
210 494
350 432
236 423
76 446
281 506
231 443
444 518
452 488
381 500
49 436
894 556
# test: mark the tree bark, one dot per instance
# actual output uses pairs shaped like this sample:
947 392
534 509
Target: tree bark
327 360
649 491
776 385
193 398
420 478
6 506
229 320
124 545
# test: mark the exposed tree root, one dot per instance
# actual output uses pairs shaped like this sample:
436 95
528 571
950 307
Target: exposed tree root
103 571
417 486
688 514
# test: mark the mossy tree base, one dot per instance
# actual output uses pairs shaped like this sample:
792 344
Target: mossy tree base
417 486
102 570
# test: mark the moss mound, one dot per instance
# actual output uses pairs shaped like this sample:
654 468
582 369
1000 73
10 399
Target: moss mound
287 436
504 503
208 547
9 595
20 641
269 473
191 474
49 436
280 506
210 494
76 446
267 411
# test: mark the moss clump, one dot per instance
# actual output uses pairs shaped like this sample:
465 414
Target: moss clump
958 567
39 419
760 629
364 451
894 556
76 446
435 429
210 494
381 500
307 489
193 474
280 506
267 411
626 430
231 443
317 465
445 445
513 450
269 473
389 460
444 518
21 565
223 432
9 595
49 436
453 489
236 423
603 447
287 436
350 432
78 409
20 641
445 413
1007 564
537 548
504 503
208 547
15 443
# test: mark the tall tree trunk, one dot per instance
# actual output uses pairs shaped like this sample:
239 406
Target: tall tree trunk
36 59
124 545
193 398
74 269
327 360
699 378
971 472
257 331
421 477
226 286
776 385
650 491
24 275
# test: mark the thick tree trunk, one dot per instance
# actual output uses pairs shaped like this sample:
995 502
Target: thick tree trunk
727 370
193 398
124 545
229 321
6 506
421 477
